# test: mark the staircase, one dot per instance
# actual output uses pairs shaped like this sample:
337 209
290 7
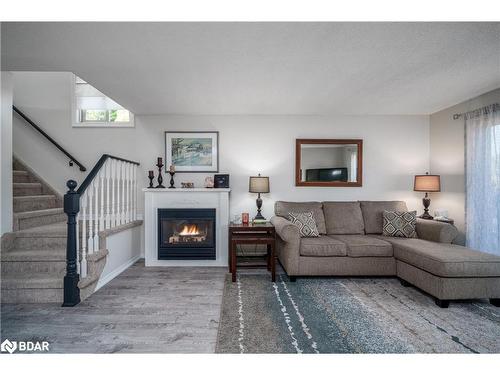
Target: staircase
33 257
35 202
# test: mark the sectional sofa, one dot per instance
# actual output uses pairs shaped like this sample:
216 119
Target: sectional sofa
351 244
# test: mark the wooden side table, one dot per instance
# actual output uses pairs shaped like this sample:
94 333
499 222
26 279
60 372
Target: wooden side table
253 234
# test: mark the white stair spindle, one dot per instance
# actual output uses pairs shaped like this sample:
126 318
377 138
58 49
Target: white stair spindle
122 206
134 192
96 215
125 201
101 182
118 187
113 189
107 174
90 194
83 262
129 190
78 268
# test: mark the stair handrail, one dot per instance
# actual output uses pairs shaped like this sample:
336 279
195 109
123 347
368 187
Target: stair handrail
107 198
72 159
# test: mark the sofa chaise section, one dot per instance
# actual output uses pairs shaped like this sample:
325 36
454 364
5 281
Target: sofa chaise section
447 271
351 244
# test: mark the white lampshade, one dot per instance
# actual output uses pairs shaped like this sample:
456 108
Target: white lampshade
258 184
427 183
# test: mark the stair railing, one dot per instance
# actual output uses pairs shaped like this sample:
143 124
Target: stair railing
72 159
107 198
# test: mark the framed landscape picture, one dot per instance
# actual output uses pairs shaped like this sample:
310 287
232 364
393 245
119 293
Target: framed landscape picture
192 151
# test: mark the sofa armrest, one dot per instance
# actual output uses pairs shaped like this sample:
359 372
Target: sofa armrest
436 231
287 231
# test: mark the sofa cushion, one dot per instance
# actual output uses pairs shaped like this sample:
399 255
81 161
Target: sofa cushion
400 224
445 260
305 222
360 245
322 246
372 213
343 218
282 209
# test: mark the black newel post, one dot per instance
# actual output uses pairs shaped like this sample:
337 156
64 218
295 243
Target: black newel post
71 208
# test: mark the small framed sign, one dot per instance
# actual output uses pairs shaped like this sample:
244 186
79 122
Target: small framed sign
221 181
192 151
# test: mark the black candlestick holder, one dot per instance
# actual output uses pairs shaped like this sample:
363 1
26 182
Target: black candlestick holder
151 178
160 178
172 180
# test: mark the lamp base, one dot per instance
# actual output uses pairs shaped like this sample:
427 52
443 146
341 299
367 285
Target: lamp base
259 206
259 216
426 216
426 202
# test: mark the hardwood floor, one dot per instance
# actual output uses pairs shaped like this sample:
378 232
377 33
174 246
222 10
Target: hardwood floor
144 310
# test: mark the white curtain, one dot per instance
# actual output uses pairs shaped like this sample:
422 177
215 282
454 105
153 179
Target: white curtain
482 132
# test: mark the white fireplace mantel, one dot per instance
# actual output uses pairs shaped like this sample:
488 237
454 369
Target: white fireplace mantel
185 198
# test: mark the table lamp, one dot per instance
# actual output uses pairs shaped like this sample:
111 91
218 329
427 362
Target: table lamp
258 184
428 183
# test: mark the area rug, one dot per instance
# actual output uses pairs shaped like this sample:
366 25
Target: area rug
348 315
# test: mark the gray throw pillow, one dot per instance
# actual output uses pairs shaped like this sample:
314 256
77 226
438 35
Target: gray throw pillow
306 223
400 224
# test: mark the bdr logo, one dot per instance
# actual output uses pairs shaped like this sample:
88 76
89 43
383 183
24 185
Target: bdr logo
24 346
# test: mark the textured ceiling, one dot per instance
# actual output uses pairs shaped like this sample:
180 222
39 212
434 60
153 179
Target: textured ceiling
267 68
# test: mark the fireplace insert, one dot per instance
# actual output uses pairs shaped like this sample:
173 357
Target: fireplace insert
186 233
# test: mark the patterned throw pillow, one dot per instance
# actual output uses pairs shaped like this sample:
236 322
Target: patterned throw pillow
400 224
306 223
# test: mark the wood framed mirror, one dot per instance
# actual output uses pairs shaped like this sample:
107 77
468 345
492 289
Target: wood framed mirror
329 162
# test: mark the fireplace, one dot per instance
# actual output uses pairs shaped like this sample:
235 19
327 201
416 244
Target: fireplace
186 233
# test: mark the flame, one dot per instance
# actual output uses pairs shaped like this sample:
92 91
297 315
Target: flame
190 230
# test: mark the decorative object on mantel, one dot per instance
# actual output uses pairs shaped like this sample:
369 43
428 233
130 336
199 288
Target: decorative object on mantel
221 181
192 151
171 172
259 185
428 183
245 218
159 164
151 176
209 182
187 185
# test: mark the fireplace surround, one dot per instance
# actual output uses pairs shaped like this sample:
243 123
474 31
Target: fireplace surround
185 199
186 233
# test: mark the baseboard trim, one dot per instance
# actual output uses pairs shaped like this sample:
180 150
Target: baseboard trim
106 279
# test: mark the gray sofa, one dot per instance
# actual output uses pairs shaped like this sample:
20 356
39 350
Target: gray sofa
351 244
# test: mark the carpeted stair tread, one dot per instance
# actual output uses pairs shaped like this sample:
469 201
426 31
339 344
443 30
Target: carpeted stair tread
38 213
32 219
21 176
35 255
27 188
34 203
27 282
58 229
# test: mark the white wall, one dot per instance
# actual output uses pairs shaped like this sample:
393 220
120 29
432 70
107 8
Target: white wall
395 147
124 250
6 153
447 154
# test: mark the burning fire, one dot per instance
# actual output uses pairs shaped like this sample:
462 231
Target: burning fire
190 230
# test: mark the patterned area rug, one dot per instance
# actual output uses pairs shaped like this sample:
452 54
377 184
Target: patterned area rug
348 315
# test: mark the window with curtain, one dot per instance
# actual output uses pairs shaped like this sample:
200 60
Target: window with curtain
93 108
482 131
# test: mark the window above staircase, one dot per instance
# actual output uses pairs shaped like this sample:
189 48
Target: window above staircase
91 108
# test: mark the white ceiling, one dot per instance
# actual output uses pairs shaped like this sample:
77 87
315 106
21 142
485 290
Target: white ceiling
267 68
